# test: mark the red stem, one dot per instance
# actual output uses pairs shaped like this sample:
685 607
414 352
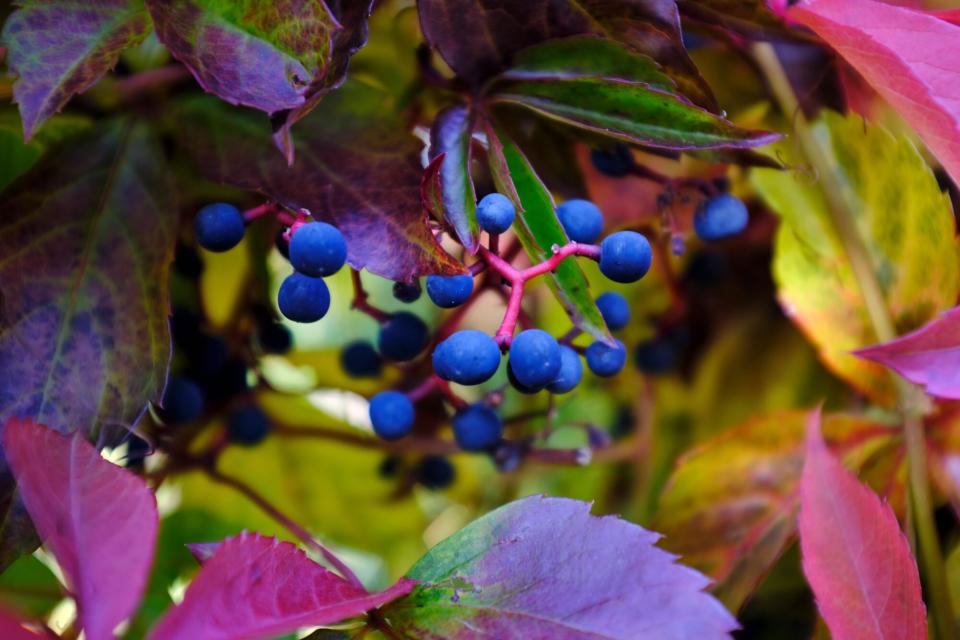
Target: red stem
360 299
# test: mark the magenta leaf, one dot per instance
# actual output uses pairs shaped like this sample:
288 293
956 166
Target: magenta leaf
264 54
358 168
13 629
258 587
855 557
97 519
451 136
545 568
910 57
60 49
929 356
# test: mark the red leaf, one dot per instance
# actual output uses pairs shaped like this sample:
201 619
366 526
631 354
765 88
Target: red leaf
98 520
855 557
912 58
257 587
13 629
929 356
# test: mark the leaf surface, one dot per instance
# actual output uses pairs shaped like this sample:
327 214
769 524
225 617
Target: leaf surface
60 49
539 229
358 169
544 567
749 17
97 519
855 557
451 136
258 587
910 57
929 356
907 225
264 54
12 629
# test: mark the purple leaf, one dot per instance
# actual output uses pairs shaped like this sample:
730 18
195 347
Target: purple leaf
358 169
545 568
929 356
264 54
13 629
257 587
451 136
855 557
97 519
202 551
60 49
478 38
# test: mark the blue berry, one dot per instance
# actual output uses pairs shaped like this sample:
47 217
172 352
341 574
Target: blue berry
720 216
449 291
248 426
604 360
581 219
317 249
275 338
435 472
535 358
495 213
655 356
402 337
360 360
522 388
615 310
467 357
477 428
219 227
571 371
407 292
391 414
182 401
303 298
614 163
625 256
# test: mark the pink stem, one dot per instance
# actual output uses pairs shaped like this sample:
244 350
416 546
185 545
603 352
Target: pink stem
259 212
423 389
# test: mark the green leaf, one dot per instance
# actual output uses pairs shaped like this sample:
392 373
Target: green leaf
60 49
539 229
606 88
729 509
29 587
908 227
451 135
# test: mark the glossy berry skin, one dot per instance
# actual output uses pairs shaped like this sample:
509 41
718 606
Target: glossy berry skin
614 163
182 401
467 357
449 291
317 249
522 388
720 217
604 360
407 292
615 310
655 356
303 298
535 358
402 337
219 227
581 219
625 256
495 213
360 360
248 426
477 428
435 472
391 414
571 371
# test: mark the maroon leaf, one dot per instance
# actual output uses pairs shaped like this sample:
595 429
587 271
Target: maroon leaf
478 38
358 168
855 557
60 49
451 136
430 189
929 356
910 57
98 520
545 568
257 587
264 53
352 35
752 18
